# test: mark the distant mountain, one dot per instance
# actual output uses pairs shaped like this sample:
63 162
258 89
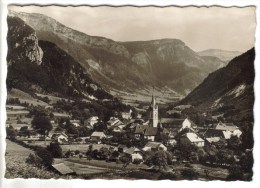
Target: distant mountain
40 66
229 89
167 65
223 55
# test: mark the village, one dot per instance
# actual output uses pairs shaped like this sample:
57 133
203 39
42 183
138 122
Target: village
147 143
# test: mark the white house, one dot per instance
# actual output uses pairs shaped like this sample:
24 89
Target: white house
154 146
91 121
61 138
127 115
229 129
192 138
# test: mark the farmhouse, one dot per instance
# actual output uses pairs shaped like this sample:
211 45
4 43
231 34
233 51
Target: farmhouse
139 130
193 139
177 124
127 115
61 138
97 136
155 146
150 133
229 129
134 153
91 121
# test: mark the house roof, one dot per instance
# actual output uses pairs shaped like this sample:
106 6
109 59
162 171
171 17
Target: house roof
194 137
151 131
98 134
226 127
62 168
153 144
213 139
56 135
171 122
56 114
131 150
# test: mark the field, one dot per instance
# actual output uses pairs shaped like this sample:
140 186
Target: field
25 97
73 147
17 168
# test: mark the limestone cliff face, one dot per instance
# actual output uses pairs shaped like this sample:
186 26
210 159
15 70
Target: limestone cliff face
22 43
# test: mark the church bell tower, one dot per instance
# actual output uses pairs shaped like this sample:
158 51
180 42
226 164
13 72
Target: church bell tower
154 113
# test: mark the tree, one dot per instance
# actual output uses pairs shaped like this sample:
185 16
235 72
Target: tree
235 173
46 156
160 159
100 126
42 125
11 132
55 150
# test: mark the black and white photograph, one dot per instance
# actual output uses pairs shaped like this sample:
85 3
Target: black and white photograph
130 92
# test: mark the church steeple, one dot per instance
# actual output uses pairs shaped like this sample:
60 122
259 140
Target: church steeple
154 112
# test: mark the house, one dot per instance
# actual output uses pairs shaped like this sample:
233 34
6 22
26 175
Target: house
150 133
140 130
134 153
119 129
212 140
113 121
193 139
63 169
61 138
90 122
229 129
154 146
177 124
127 115
97 136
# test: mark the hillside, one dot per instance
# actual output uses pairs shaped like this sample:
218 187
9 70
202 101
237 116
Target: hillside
229 89
132 67
40 66
223 55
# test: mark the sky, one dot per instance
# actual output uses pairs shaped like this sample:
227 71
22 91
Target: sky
200 28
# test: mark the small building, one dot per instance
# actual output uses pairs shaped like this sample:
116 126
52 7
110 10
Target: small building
177 124
134 153
127 115
150 133
63 169
140 130
97 136
154 146
61 138
90 122
212 140
229 129
193 139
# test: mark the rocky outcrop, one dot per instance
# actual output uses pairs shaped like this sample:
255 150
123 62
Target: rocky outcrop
22 43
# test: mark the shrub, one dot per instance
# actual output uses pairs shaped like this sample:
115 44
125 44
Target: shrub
34 160
77 152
